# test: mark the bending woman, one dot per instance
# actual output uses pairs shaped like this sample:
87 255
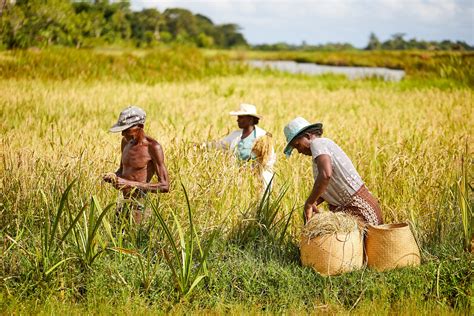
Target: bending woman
336 181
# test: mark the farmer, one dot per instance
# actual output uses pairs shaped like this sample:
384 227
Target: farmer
142 157
336 181
250 142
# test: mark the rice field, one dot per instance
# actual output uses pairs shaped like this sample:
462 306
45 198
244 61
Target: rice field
63 249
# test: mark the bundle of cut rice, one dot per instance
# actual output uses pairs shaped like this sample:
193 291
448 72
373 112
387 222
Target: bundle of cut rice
332 243
262 148
326 223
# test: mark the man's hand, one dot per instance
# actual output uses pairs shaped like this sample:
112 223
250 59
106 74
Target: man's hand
116 181
309 211
121 184
110 178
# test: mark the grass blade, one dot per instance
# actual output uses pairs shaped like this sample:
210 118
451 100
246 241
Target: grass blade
60 211
54 267
73 224
196 282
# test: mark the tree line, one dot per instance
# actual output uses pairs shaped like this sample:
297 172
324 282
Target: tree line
397 41
39 23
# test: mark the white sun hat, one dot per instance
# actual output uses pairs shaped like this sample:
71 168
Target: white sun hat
246 109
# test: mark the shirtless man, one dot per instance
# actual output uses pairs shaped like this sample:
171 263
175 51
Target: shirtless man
142 157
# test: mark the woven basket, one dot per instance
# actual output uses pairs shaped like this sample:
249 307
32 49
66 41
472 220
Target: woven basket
391 246
333 254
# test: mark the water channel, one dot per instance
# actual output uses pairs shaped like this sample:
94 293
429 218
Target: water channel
315 69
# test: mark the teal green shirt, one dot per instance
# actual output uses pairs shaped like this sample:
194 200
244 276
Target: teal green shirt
244 147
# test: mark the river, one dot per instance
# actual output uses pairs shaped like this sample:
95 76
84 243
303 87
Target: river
315 69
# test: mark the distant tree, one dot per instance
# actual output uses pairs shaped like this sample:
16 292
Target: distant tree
3 4
461 45
117 26
396 42
374 42
146 26
166 37
181 23
204 18
11 24
206 26
228 36
336 46
37 23
205 40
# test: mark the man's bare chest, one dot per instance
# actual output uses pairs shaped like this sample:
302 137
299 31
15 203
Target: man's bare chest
135 156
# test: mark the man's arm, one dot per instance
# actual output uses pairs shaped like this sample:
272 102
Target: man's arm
320 185
156 153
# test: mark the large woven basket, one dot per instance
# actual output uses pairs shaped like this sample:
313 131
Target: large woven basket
391 246
333 254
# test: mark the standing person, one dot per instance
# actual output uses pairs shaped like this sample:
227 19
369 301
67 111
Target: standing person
336 181
142 157
250 142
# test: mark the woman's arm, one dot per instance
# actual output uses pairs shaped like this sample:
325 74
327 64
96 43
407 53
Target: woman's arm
320 184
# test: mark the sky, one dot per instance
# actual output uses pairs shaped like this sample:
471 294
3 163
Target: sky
343 21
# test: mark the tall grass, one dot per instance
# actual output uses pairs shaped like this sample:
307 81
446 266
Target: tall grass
86 237
187 271
264 222
49 259
464 191
407 142
153 66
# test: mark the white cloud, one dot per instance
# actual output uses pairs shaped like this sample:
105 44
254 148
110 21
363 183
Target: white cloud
425 10
320 21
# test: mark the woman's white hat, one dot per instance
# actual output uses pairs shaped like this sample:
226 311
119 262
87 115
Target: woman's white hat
246 109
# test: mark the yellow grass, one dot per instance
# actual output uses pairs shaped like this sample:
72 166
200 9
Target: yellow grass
406 144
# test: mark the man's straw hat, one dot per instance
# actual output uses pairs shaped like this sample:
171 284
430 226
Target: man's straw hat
129 117
246 109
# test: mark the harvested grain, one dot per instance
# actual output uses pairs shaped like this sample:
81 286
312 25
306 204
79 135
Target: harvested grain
262 148
326 223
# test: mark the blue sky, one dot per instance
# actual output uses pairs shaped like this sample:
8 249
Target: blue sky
323 21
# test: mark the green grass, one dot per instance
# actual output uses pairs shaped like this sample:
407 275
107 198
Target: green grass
184 63
243 279
145 66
